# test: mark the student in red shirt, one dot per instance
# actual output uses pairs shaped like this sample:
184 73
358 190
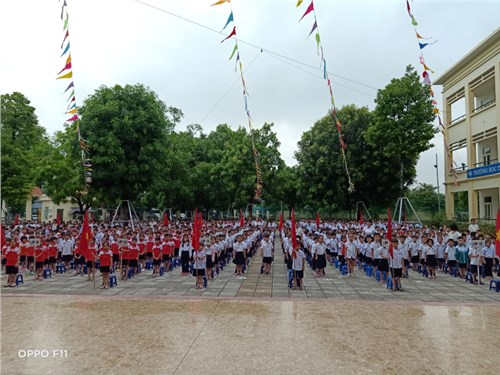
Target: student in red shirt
105 259
167 250
90 261
149 247
79 258
157 255
30 258
12 254
124 251
52 254
142 250
115 249
40 256
133 260
23 246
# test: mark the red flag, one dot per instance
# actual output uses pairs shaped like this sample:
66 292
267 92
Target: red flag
16 219
361 217
230 35
165 219
85 237
391 251
389 225
280 227
58 218
309 9
242 219
294 232
3 241
196 231
318 220
497 242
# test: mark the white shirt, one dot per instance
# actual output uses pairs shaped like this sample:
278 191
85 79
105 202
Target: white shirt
297 264
267 248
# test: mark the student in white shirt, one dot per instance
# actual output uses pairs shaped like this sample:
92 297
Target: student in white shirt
199 265
397 264
430 258
474 256
351 254
299 259
488 253
449 254
267 251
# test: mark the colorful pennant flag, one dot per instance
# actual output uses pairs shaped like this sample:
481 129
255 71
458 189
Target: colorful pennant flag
333 110
71 108
235 51
427 80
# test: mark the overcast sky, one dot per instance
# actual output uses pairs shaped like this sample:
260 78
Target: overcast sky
366 43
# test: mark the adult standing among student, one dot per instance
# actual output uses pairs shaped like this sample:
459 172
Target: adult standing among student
473 228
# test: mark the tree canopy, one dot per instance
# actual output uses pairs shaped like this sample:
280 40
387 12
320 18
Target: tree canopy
23 141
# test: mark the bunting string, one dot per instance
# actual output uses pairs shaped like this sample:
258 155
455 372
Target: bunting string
239 65
333 109
67 73
426 79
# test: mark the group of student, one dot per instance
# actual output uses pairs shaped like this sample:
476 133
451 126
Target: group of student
411 247
33 249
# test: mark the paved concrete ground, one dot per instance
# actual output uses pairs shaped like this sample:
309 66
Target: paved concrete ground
333 286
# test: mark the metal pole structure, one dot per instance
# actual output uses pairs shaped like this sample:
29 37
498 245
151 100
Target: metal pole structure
437 182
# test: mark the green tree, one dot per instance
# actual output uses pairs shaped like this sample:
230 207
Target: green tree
23 140
127 129
321 171
425 198
403 125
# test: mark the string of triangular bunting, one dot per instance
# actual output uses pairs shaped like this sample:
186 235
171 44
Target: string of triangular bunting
427 80
67 73
333 110
236 52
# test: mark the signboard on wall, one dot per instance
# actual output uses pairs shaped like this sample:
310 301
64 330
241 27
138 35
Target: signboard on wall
484 171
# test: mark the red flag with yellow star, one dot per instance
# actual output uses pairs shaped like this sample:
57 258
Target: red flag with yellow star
85 237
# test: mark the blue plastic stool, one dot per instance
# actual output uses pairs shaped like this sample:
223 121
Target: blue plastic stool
162 271
343 270
377 275
469 278
149 265
47 273
454 272
290 279
384 275
369 271
445 268
425 272
60 268
112 281
19 279
337 264
496 282
131 273
389 282
85 269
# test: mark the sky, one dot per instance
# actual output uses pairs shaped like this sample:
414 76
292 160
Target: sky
175 52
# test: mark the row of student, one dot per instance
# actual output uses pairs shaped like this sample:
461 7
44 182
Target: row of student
321 247
126 253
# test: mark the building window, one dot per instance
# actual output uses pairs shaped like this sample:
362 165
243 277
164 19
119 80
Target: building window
487 207
486 156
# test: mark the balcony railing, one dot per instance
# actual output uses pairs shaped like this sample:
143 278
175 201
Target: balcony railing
484 163
483 106
457 120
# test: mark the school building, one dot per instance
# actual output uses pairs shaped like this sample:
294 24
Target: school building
472 120
40 207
